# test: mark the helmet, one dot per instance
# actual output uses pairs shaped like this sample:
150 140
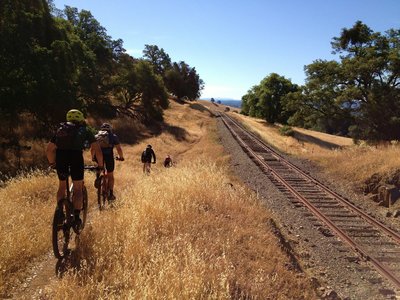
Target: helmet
106 126
75 116
149 146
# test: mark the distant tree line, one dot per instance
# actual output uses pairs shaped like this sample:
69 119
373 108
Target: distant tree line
358 95
52 60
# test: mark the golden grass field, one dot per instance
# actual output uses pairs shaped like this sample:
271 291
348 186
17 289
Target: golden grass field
180 233
349 162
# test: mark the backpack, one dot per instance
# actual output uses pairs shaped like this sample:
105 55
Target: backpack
66 135
104 139
146 155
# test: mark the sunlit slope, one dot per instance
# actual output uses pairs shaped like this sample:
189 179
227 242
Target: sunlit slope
182 232
337 155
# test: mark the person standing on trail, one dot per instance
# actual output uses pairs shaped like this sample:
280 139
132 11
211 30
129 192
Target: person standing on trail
147 155
107 140
65 153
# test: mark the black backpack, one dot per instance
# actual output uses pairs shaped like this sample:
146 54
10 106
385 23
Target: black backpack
66 135
146 155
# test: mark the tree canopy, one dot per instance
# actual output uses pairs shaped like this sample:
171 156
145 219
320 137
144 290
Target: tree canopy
266 99
356 95
52 60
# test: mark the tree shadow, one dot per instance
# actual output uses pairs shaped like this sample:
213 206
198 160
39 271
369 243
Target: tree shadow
178 132
311 139
200 108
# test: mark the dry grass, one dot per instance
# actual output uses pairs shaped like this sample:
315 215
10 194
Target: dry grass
25 218
356 164
190 237
182 232
350 162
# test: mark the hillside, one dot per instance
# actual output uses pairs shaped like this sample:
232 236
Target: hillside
193 231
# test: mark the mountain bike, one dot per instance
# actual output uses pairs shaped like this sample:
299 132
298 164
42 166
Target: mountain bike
64 222
147 167
103 189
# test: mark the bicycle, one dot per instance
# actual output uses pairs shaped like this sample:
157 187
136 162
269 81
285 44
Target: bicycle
62 223
103 190
147 167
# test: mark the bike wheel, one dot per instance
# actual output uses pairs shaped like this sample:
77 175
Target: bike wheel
104 191
99 191
84 206
61 232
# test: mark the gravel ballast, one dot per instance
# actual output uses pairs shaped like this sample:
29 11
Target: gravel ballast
337 272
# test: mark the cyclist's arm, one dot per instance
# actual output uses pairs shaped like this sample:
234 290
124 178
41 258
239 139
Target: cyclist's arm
154 156
96 149
51 153
119 150
92 153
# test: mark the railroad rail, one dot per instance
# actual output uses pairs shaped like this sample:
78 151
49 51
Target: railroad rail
374 241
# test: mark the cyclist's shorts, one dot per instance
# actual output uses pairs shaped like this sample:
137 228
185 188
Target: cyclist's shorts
69 162
109 162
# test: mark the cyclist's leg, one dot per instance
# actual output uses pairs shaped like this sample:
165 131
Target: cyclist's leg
61 190
148 166
110 165
77 169
77 195
110 176
62 167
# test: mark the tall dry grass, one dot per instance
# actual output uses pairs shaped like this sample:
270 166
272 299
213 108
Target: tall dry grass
27 203
353 163
180 233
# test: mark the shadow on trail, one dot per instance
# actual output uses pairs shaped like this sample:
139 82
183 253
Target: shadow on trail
311 139
200 108
179 133
70 263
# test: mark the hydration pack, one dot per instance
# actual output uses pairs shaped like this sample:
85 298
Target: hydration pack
103 138
66 135
146 155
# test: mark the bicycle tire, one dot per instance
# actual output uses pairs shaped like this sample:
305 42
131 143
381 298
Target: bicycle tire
104 191
99 191
61 229
84 206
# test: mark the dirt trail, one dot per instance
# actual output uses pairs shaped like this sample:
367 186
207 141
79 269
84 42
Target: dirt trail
46 269
40 274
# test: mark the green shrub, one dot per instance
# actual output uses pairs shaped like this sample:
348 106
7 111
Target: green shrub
286 130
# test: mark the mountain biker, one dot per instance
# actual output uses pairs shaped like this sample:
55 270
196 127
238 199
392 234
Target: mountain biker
107 146
147 155
64 152
168 161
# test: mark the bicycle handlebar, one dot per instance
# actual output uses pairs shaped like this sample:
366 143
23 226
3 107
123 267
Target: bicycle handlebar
92 168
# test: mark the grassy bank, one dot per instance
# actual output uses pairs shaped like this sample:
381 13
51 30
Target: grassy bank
352 163
182 232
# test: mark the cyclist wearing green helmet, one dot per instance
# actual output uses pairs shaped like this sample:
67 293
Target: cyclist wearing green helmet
65 153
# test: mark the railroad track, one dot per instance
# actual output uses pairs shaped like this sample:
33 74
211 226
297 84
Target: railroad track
374 241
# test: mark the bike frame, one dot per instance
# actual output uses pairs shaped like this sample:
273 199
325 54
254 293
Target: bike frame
66 205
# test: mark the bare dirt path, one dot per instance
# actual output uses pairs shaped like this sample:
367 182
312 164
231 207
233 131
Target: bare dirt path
40 274
45 270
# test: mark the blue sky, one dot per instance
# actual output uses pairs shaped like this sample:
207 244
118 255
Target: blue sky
234 44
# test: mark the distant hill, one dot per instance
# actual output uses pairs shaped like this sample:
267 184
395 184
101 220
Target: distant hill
227 101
